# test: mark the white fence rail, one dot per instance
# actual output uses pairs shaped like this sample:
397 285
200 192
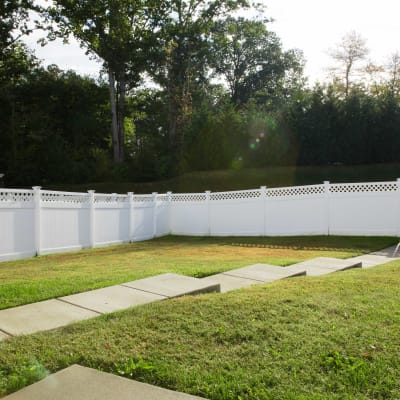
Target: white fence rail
36 221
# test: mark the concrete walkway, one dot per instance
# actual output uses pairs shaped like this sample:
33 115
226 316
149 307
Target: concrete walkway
55 313
81 383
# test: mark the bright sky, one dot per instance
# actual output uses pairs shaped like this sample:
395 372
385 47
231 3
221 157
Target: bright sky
313 26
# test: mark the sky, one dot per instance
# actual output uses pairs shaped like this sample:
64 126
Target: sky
313 26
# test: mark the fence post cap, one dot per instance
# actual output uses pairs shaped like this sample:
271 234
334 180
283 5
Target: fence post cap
36 187
91 191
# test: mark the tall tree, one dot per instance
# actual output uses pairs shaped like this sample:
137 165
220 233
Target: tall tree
14 17
183 61
349 51
119 32
393 70
251 59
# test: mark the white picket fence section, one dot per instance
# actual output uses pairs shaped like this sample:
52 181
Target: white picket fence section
34 222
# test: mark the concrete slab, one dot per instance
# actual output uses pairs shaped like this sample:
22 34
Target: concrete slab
390 252
264 272
173 285
324 265
41 316
3 336
110 299
371 260
81 383
228 282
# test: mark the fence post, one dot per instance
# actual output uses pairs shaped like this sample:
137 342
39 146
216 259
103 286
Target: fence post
92 222
131 216
37 218
327 207
398 207
154 214
208 196
169 194
263 197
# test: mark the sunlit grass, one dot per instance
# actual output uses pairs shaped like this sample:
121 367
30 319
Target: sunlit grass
330 337
31 280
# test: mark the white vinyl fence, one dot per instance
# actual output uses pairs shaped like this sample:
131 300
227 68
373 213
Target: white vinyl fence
34 222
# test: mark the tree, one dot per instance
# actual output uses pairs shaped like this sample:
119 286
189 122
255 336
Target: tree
14 17
182 61
393 70
250 58
351 49
119 32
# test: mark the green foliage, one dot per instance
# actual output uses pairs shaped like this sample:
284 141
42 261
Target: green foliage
133 368
21 375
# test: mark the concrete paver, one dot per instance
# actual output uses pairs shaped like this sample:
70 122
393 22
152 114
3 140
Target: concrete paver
324 265
173 285
81 383
41 316
228 282
112 298
3 336
264 272
371 260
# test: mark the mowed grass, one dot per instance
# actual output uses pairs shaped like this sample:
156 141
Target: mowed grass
331 337
31 280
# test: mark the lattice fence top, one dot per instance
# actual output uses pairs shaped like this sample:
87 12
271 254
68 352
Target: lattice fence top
143 198
64 197
23 196
189 197
163 197
110 198
296 191
373 187
236 195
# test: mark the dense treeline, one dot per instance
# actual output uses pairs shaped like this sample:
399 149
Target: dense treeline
57 126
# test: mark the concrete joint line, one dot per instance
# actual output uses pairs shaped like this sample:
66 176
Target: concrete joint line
148 291
245 277
7 333
75 305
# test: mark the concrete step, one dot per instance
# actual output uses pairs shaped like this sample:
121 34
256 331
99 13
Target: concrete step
324 265
228 282
42 316
264 273
112 298
81 383
173 285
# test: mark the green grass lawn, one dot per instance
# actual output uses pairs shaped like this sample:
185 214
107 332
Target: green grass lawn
330 337
41 278
248 178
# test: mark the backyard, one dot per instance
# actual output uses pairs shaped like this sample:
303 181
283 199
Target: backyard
330 337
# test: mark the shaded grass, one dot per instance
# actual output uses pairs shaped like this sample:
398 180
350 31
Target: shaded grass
248 178
31 280
330 337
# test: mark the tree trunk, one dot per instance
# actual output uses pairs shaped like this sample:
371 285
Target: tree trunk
115 136
121 116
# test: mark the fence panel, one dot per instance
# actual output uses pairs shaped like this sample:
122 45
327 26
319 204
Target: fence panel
364 209
238 213
17 224
189 214
143 226
295 211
